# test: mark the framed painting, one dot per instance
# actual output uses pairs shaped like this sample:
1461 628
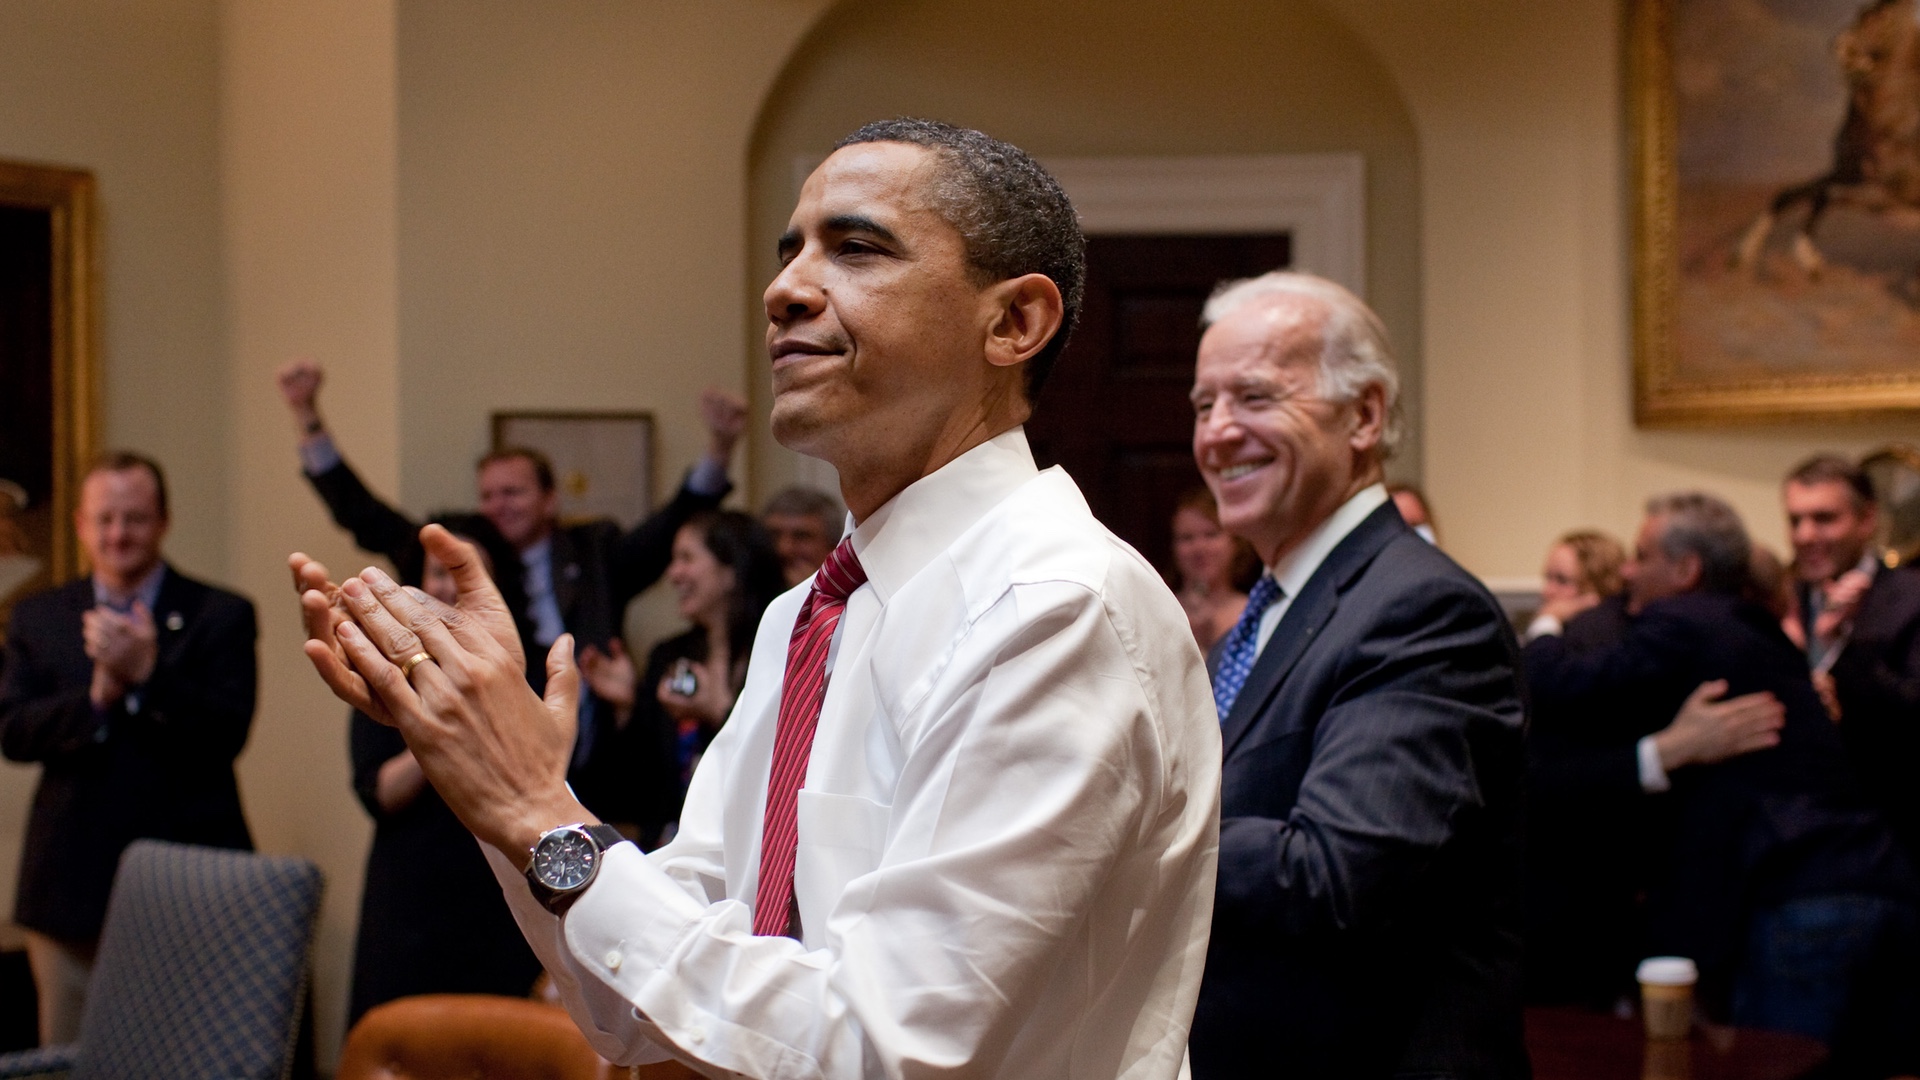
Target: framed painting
602 461
1777 225
48 377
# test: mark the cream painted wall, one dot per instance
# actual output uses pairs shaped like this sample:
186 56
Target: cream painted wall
1091 78
571 193
309 181
1526 305
129 90
571 216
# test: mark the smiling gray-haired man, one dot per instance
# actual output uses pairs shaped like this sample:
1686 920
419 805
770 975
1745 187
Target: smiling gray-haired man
1368 912
962 820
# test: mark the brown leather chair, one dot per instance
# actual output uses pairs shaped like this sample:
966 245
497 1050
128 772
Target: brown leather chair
479 1037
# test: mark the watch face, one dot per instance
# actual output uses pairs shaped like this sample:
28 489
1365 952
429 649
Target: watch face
564 859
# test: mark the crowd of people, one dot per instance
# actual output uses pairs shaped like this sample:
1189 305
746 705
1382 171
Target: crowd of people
947 778
1710 766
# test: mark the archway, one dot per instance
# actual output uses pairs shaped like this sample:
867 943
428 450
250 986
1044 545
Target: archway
1089 79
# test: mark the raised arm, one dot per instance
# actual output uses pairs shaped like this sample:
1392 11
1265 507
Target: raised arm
642 554
375 525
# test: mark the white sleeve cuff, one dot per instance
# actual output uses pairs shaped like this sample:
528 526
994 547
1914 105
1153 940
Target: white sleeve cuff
708 477
318 454
1653 778
1544 625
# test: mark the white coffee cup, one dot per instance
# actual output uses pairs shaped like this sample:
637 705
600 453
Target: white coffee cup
1666 995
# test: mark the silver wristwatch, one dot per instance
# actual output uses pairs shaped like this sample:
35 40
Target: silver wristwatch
566 860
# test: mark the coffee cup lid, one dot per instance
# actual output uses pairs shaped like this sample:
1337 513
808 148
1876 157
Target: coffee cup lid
1668 971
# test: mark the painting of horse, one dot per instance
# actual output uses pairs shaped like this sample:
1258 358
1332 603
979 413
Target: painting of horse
1778 253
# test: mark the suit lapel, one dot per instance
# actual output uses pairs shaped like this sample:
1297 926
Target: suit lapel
1306 617
172 616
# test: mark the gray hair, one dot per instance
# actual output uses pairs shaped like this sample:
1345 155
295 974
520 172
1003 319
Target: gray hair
1702 525
800 501
1354 352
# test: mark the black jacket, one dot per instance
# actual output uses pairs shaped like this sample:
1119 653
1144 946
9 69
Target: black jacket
1877 677
1587 828
1367 921
432 918
1749 832
164 772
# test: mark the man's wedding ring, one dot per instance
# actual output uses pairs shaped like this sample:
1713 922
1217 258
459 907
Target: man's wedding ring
411 662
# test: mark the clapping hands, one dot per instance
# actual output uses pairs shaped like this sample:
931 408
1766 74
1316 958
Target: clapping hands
452 679
123 648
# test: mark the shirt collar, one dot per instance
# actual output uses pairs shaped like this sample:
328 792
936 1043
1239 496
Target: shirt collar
1296 567
147 592
1869 563
905 534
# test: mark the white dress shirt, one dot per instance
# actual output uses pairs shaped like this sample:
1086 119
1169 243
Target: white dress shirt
1007 835
1296 567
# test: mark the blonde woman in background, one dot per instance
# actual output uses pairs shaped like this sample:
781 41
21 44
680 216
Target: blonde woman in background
1582 569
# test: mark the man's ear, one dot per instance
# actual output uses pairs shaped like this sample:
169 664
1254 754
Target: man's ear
1027 312
1688 566
1369 418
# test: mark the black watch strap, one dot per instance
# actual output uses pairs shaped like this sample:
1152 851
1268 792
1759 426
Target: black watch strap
558 901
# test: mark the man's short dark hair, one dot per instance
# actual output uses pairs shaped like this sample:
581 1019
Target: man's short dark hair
1834 469
127 460
542 467
799 501
1013 215
1695 523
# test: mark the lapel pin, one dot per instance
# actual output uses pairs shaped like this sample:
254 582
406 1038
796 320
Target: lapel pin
174 621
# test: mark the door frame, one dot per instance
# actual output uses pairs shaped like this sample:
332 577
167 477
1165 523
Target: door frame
1320 199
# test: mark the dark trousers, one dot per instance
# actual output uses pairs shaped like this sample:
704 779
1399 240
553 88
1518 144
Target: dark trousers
1844 969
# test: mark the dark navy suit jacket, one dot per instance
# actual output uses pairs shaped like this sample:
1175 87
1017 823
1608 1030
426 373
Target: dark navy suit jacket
1877 677
164 772
1367 921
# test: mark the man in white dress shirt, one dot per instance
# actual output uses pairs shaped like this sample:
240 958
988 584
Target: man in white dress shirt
1001 861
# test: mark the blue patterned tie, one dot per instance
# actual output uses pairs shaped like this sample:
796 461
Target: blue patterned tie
1243 645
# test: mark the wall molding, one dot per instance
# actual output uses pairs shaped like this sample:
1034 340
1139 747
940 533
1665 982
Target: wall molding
1319 198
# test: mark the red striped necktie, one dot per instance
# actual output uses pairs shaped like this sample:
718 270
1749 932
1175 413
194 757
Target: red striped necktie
801 695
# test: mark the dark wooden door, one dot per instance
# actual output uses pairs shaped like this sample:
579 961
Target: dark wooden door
1115 412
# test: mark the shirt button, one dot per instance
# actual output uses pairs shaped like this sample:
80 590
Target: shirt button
613 960
696 1035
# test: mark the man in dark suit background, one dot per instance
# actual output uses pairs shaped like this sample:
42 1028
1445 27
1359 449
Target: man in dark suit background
1769 869
578 578
1592 787
1860 620
1367 918
134 689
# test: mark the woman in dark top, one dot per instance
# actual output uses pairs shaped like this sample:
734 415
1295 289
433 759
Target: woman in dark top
432 919
724 573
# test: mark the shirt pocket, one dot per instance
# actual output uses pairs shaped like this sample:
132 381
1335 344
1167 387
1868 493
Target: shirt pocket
842 837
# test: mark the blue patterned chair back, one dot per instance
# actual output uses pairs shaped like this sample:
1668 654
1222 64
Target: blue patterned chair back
202 966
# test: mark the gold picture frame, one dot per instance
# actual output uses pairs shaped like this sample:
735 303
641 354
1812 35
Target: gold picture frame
66 197
1724 330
